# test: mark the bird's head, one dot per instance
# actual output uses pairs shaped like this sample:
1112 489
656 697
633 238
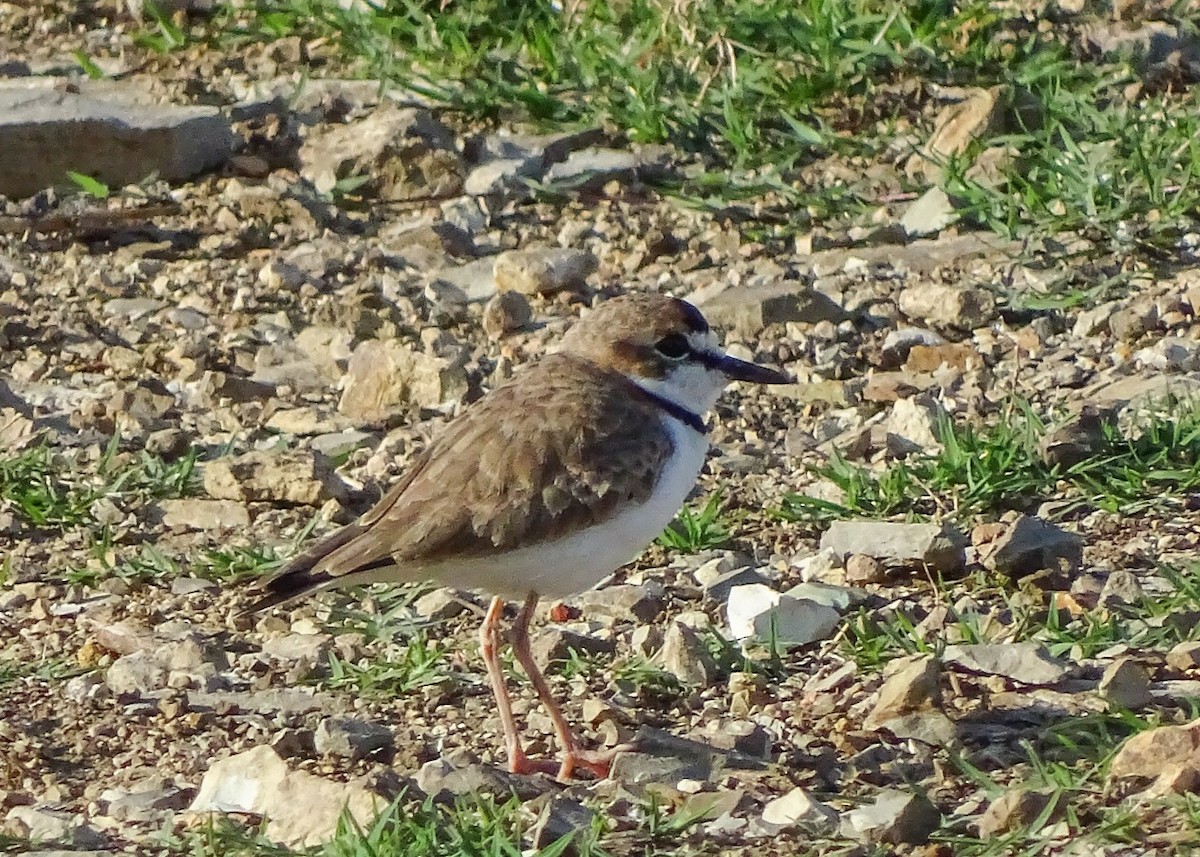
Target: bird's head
665 346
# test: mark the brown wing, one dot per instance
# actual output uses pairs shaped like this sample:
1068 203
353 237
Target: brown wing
505 474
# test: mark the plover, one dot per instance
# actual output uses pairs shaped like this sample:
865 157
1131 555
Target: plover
546 485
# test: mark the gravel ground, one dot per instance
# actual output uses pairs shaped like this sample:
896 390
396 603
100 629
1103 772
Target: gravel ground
196 376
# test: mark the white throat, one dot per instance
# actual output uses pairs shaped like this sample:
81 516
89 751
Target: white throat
690 386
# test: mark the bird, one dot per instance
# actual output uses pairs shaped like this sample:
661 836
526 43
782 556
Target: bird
545 486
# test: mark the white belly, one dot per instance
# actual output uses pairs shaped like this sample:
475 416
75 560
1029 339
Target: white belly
578 562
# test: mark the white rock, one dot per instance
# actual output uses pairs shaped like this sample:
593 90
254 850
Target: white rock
499 175
930 213
916 421
196 514
41 824
302 810
758 611
798 808
895 817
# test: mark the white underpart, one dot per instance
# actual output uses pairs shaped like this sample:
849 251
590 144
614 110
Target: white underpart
578 562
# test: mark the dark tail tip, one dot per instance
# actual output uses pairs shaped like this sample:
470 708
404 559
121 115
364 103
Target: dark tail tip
286 586
298 578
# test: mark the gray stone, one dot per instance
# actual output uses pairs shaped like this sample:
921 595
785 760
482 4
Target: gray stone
46 131
545 148
300 477
132 309
447 298
465 214
441 778
192 585
1138 393
929 727
748 310
267 702
351 738
293 648
554 645
914 425
898 343
661 757
385 376
439 605
626 601
341 443
1026 663
760 613
594 168
301 809
840 598
506 312
1121 589
942 547
1133 322
146 402
88 686
1169 354
744 739
1081 437
645 639
144 800
501 175
895 818
1032 544
543 271
477 279
863 569
684 655
561 817
1126 684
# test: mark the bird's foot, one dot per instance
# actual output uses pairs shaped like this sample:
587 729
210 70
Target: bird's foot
598 763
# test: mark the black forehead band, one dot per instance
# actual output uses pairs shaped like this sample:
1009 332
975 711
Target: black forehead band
693 317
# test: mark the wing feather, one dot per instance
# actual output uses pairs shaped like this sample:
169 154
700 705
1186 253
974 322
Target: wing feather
503 475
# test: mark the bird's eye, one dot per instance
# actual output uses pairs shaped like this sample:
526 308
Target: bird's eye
674 346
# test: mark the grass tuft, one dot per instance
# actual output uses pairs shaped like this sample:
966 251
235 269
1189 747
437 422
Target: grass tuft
985 471
694 531
51 490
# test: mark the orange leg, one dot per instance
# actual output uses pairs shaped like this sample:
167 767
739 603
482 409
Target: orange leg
573 756
489 636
